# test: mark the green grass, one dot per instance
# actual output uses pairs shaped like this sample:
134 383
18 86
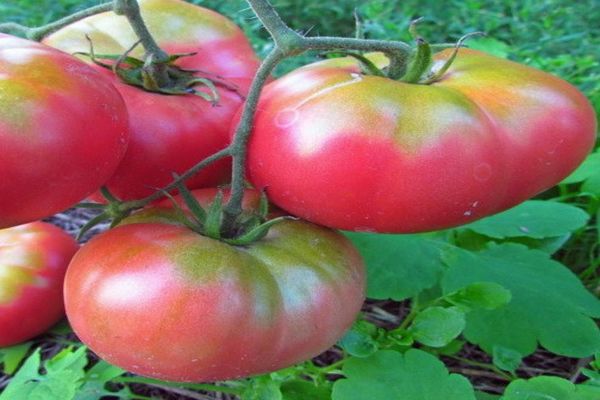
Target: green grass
560 36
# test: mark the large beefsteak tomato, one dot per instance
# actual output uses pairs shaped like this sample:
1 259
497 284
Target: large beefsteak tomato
171 133
357 152
160 300
33 263
63 130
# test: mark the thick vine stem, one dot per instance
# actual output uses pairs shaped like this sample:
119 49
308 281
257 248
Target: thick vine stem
286 39
397 52
242 134
41 32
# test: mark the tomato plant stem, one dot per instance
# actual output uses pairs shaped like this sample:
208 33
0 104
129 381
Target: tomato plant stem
39 33
242 133
194 386
157 57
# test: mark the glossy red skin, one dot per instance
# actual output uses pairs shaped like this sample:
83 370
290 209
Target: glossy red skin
63 130
366 153
171 133
162 301
33 262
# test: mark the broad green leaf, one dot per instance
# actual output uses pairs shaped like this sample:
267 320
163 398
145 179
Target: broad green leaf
549 388
438 326
589 168
19 387
387 374
303 390
535 219
12 356
94 386
398 266
470 240
358 341
61 385
486 396
506 359
62 378
486 295
549 304
451 348
592 185
67 359
263 388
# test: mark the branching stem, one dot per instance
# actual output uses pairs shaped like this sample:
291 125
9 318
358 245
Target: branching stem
41 32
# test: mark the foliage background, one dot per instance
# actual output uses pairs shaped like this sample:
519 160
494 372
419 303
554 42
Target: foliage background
559 36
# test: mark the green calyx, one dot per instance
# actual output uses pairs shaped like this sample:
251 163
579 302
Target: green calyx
249 227
160 76
420 69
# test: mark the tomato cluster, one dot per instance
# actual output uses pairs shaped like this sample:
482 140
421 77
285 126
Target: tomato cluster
158 294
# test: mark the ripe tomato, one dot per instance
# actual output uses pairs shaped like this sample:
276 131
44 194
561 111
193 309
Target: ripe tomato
359 152
63 130
171 133
33 262
159 300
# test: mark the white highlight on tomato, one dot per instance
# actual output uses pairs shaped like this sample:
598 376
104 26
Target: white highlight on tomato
19 56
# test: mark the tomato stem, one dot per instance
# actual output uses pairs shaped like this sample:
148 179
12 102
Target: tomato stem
38 33
158 59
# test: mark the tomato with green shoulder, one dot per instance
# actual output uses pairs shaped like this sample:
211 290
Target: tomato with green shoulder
368 153
158 299
63 130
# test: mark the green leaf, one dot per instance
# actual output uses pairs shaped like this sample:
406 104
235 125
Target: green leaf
303 390
485 295
263 388
549 388
387 374
589 168
63 377
549 304
398 266
506 359
486 396
471 240
438 326
94 386
451 348
12 356
359 341
19 387
592 185
535 219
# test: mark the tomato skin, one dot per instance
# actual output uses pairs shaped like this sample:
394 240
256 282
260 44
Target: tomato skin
63 130
366 153
171 133
33 262
160 300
